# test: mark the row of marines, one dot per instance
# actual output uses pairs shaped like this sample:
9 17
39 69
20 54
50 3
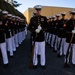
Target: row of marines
12 33
60 36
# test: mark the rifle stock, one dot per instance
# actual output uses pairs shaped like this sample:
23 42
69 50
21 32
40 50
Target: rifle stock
59 45
31 56
68 50
51 39
54 41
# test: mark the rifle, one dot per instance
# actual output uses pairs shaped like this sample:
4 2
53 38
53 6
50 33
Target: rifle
31 54
59 46
51 40
48 37
54 41
0 13
61 37
68 50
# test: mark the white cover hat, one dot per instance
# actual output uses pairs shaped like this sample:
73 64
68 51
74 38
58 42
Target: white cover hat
72 12
13 16
4 12
38 7
57 15
10 15
53 16
63 13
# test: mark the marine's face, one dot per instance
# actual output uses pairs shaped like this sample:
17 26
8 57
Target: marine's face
38 12
57 18
73 16
13 19
53 19
5 15
9 18
63 17
50 19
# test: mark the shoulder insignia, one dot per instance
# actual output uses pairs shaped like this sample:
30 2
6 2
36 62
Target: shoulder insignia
15 23
56 23
42 19
6 24
0 22
11 22
64 25
6 21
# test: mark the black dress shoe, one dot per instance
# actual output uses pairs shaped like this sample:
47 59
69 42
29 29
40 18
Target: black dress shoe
66 65
14 51
5 65
7 52
49 46
59 56
46 42
11 56
54 51
43 67
34 67
73 65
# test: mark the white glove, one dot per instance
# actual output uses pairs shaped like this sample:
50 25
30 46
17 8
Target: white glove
73 31
39 27
37 30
